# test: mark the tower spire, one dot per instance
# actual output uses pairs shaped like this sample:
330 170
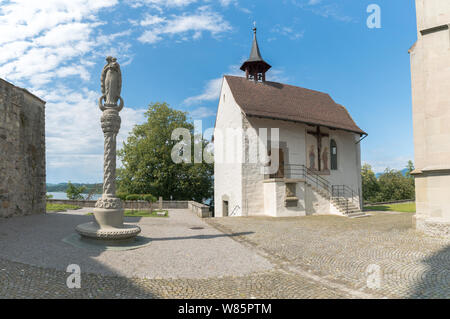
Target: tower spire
255 67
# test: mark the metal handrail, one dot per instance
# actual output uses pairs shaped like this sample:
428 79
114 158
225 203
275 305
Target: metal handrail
346 193
234 210
301 171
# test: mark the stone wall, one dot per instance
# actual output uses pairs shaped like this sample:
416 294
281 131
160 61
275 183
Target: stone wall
200 209
22 152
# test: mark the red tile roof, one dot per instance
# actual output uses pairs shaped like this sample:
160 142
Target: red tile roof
287 102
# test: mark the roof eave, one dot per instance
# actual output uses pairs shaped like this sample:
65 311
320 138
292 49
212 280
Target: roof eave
360 132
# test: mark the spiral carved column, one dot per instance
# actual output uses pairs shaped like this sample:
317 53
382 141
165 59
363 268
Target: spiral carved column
108 213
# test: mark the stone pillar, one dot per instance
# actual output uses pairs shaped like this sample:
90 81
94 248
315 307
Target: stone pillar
430 58
108 212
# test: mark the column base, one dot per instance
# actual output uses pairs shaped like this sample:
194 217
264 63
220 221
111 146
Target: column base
94 231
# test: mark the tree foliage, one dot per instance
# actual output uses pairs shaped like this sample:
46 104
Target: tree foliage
392 185
73 192
370 184
147 163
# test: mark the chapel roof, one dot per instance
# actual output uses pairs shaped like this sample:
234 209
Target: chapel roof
292 103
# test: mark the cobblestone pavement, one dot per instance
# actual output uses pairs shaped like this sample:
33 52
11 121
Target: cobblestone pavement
313 257
340 250
18 280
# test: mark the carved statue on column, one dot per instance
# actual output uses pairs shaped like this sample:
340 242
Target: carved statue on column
108 213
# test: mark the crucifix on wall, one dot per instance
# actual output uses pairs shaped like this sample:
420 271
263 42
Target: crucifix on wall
318 136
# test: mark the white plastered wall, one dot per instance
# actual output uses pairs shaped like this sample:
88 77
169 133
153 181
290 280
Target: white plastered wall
227 172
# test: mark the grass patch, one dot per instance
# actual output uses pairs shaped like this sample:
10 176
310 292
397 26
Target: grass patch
400 207
143 213
60 207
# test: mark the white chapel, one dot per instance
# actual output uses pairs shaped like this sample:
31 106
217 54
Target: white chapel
311 145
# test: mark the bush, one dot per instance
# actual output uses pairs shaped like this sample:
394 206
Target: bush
122 196
134 197
149 198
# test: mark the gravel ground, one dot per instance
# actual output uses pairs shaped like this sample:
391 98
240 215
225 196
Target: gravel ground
175 251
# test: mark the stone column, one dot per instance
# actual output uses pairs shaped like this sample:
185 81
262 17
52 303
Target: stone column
108 212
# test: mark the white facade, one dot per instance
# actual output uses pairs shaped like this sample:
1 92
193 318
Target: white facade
430 68
242 189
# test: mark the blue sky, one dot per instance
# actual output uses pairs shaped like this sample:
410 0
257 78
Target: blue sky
177 51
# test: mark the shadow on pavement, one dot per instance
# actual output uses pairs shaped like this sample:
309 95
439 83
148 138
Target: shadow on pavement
436 281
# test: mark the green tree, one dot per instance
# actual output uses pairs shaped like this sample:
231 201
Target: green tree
73 192
148 167
370 186
395 186
410 168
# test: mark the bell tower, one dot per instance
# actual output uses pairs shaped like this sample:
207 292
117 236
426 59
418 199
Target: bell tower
255 67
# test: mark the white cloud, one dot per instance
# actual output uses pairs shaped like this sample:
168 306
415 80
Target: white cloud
43 42
202 112
151 20
380 164
73 132
288 32
203 20
159 4
330 10
226 3
210 93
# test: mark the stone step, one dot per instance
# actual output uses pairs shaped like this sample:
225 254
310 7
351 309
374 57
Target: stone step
357 215
344 204
347 207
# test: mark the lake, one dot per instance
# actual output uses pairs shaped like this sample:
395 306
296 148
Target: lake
62 195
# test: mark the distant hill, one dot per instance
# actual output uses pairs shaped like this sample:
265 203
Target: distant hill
404 171
62 187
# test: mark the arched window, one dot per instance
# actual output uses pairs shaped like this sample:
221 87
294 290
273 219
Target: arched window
334 150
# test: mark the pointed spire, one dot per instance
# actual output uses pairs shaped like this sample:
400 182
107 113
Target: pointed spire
255 67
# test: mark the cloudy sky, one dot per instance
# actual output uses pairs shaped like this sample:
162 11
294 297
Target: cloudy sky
177 51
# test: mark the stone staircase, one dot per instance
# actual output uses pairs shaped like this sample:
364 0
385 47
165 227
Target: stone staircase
345 206
340 196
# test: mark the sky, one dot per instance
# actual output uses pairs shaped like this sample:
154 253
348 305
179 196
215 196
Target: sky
177 51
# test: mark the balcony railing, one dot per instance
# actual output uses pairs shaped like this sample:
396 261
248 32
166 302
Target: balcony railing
346 193
297 171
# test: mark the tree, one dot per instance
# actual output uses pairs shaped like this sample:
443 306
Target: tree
148 167
410 168
73 192
395 186
370 187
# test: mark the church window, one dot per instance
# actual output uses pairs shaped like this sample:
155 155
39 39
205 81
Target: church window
334 150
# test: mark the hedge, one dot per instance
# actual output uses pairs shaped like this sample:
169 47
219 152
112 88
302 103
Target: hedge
145 197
